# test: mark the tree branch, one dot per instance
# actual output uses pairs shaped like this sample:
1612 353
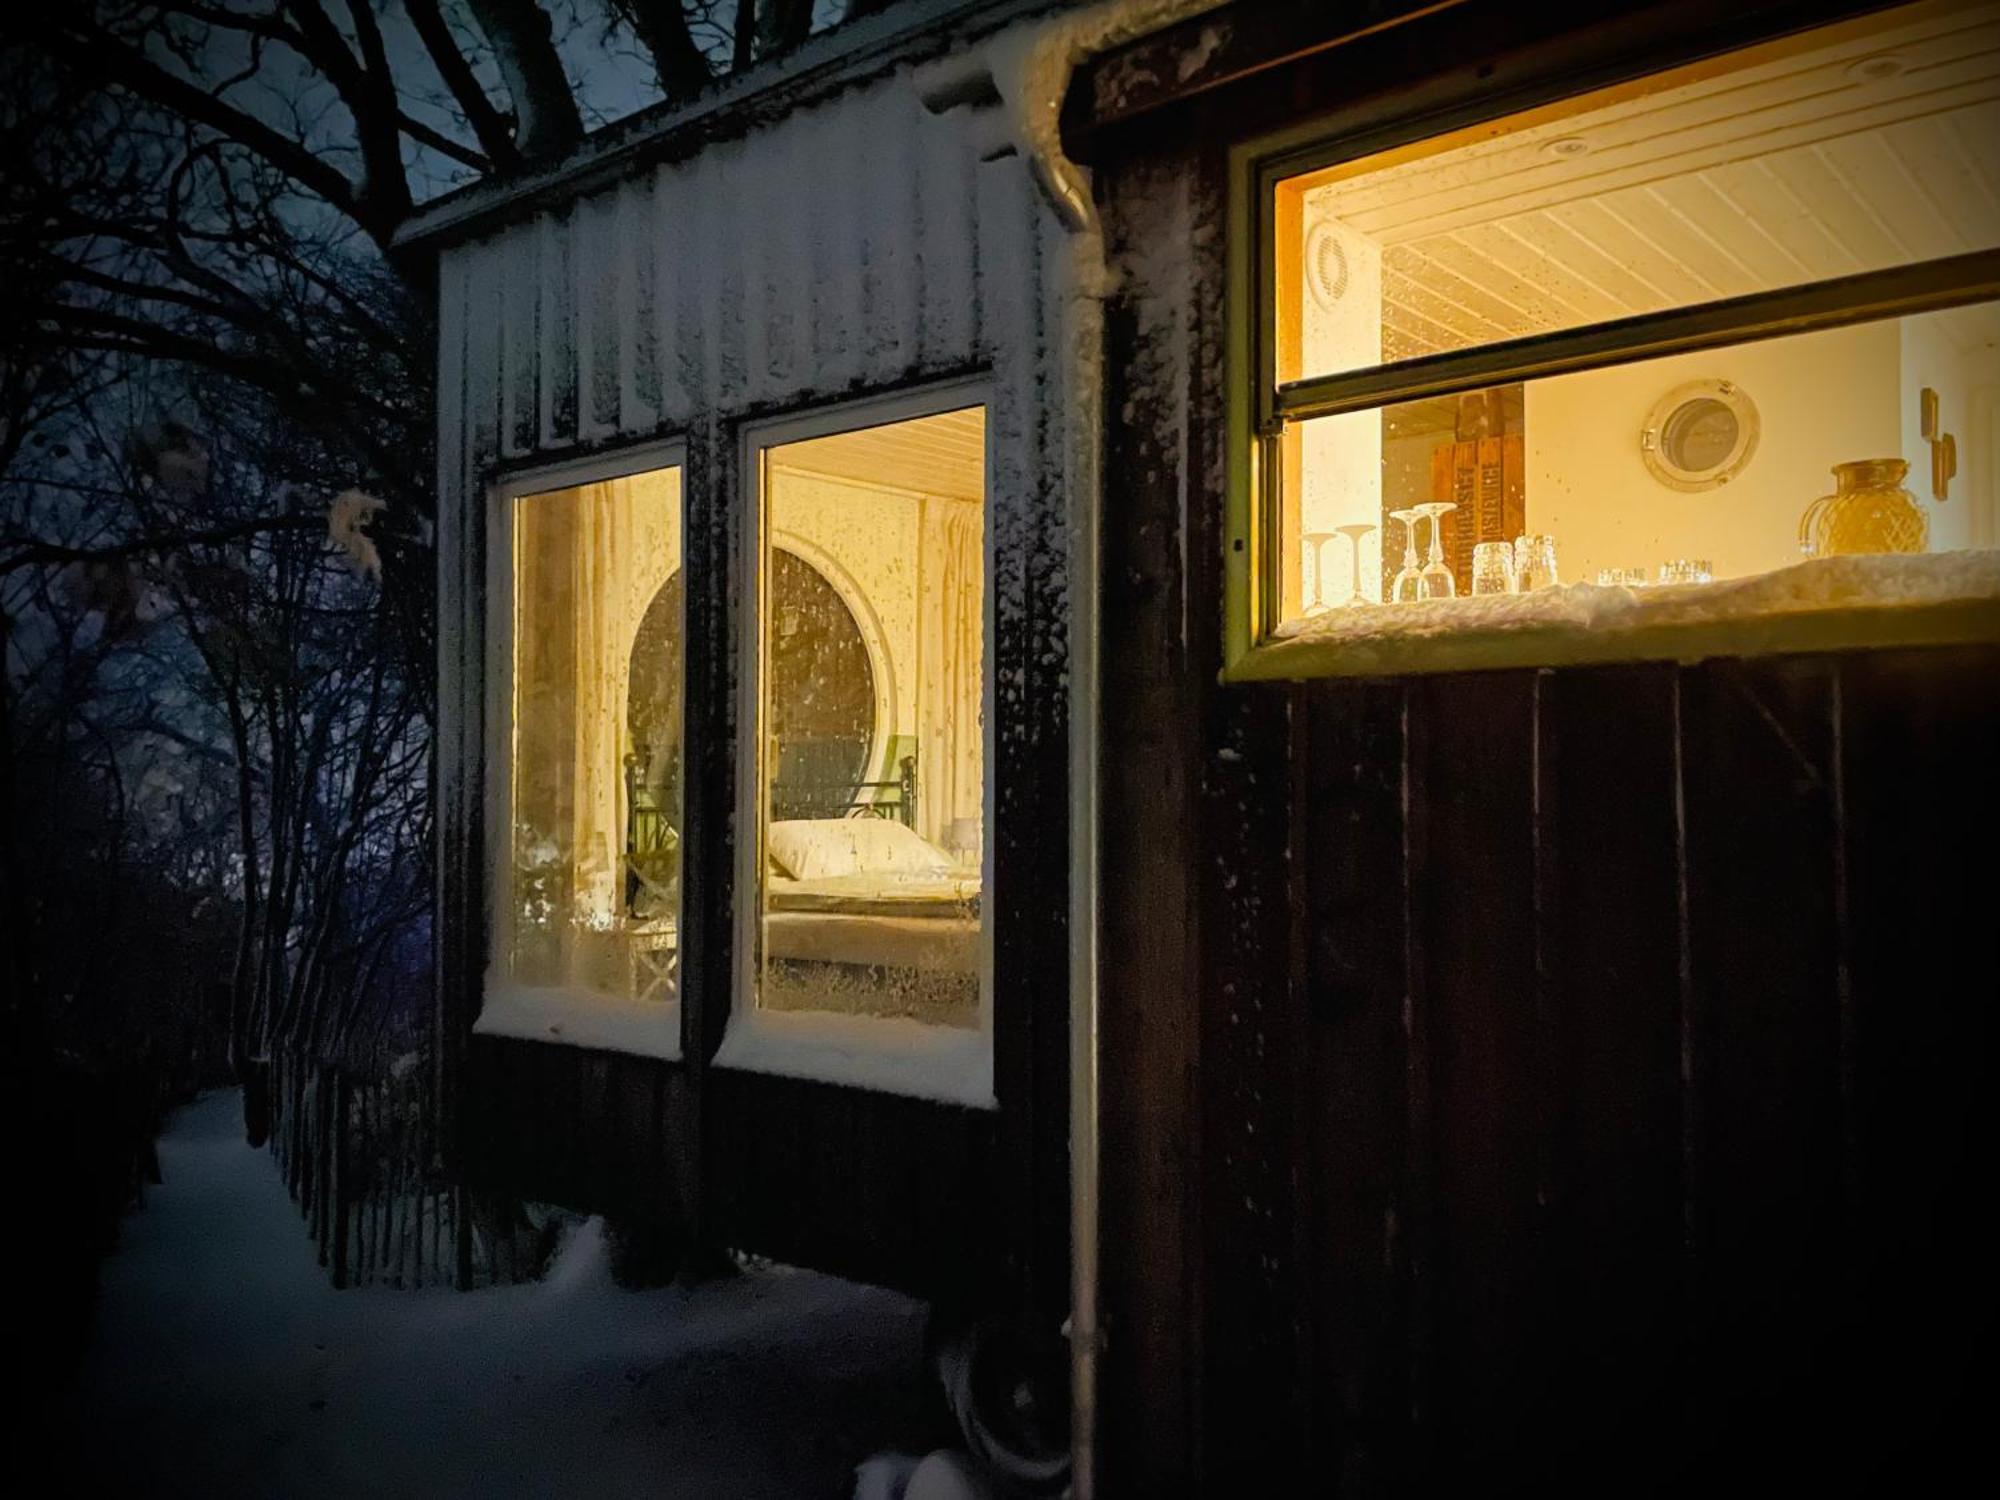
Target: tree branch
547 121
662 25
95 52
51 554
489 127
444 145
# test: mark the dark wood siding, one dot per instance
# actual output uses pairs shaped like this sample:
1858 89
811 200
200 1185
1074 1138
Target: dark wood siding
883 1189
1514 1079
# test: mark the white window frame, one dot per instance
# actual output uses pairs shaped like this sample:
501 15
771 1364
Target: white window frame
890 1055
565 1016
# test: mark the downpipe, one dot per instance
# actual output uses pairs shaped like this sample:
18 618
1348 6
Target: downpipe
1014 85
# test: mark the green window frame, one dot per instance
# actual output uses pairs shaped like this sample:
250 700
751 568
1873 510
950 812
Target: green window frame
1259 407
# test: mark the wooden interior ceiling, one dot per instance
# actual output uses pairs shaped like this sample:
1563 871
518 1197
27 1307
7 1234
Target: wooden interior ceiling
1876 150
940 455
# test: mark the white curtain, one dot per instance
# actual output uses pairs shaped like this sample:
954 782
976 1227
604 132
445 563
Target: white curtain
950 655
588 562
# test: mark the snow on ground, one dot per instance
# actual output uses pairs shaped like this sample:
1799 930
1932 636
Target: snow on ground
225 1364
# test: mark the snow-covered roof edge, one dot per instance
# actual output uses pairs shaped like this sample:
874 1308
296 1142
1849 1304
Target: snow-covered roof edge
848 54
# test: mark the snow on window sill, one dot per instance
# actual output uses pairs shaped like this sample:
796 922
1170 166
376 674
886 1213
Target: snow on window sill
1827 603
887 1055
581 1018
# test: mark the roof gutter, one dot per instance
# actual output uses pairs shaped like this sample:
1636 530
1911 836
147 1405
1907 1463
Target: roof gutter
1014 84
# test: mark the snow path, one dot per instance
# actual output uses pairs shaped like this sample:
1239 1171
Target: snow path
225 1364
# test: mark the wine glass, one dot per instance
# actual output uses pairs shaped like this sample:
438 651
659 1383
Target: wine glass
1317 540
1436 580
1406 586
1354 531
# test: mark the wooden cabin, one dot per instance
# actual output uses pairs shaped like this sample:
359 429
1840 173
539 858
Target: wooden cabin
1181 667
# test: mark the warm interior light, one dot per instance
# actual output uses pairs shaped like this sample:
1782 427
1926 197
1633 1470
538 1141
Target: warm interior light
871 695
1741 175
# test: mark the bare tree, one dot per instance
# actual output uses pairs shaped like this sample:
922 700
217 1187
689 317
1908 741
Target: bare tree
214 729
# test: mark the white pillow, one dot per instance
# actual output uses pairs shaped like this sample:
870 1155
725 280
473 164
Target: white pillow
817 848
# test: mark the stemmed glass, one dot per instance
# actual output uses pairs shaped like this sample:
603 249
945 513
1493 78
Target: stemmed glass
1436 580
1354 531
1406 586
1317 540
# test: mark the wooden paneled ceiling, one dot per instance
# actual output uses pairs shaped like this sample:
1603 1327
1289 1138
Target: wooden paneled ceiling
1879 149
942 455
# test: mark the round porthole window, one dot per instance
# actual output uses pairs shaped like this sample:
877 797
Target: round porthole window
1700 435
1325 265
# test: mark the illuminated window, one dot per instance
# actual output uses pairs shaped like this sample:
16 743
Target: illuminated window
589 910
1586 369
865 754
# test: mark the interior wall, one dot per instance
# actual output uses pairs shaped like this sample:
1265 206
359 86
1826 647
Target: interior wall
1963 378
1341 468
1822 399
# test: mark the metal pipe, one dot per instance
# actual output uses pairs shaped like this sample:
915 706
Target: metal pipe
1015 84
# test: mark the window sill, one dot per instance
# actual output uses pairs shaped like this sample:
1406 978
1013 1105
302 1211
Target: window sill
889 1056
581 1018
1822 604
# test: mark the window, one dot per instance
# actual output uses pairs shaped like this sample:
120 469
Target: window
865 753
1568 385
588 585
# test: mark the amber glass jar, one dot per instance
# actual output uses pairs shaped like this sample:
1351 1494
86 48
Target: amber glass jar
1868 511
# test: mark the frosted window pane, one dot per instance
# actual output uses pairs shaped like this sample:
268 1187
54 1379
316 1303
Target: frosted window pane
594 902
873 770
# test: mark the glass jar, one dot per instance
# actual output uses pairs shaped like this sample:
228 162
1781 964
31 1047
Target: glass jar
1868 511
1492 568
1534 563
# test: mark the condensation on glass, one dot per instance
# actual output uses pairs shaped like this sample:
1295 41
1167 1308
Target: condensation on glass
593 899
872 764
1857 148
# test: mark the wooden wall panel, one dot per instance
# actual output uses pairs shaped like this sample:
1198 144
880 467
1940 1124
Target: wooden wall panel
1356 1134
1476 1223
1152 678
1609 912
866 1185
1763 1138
1599 1097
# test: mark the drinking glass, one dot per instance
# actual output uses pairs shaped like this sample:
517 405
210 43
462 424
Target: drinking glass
1686 570
1436 580
1406 586
1534 563
1493 568
1354 532
1317 540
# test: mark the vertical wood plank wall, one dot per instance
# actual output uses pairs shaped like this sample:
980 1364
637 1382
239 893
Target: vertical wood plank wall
1519 1078
851 246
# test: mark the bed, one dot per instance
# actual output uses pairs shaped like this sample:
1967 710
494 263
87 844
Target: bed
862 915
